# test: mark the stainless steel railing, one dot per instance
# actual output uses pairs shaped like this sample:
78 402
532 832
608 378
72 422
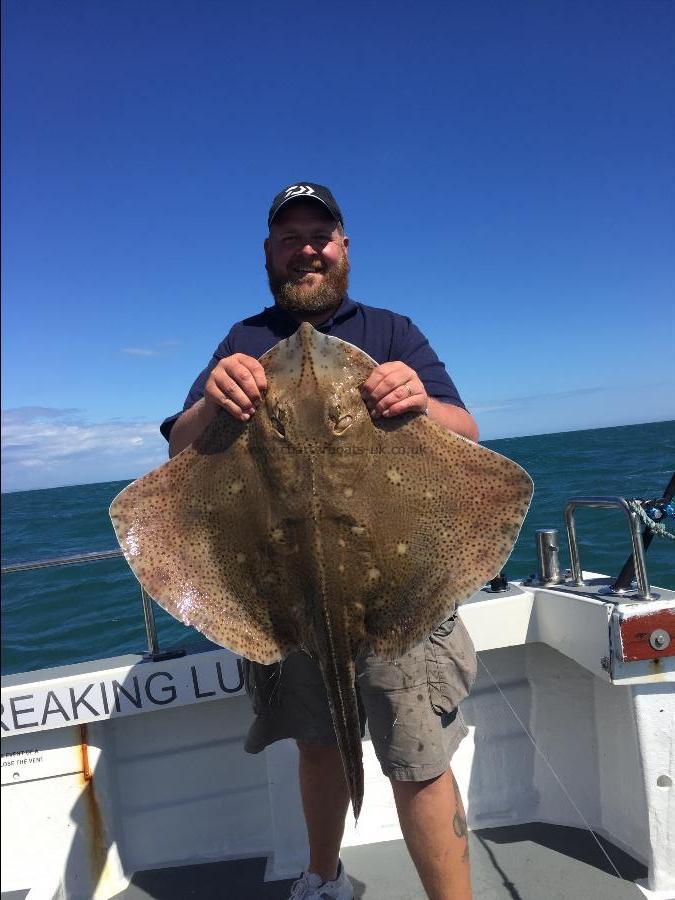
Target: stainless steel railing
148 612
61 561
641 576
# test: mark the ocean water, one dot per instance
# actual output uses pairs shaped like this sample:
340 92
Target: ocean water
70 614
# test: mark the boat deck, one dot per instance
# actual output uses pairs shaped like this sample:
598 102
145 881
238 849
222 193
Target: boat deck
517 862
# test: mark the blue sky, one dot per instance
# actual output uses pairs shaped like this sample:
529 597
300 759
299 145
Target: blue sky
506 172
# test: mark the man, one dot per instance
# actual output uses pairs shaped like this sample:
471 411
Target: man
306 257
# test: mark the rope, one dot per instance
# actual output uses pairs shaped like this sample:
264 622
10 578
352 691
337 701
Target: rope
657 527
553 772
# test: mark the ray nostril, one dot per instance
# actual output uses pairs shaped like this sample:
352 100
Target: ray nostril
277 422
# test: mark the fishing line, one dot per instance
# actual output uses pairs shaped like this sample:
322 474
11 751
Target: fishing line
553 772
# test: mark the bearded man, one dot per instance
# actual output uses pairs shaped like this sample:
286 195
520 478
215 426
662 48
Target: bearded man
307 262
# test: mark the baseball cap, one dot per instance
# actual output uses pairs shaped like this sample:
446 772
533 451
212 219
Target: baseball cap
305 190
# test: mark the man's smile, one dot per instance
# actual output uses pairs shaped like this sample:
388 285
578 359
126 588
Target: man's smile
301 271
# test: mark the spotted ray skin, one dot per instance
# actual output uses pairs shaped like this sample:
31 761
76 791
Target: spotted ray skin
313 527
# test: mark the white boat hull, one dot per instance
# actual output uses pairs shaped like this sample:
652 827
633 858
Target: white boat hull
126 764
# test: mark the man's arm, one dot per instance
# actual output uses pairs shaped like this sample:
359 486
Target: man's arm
453 418
190 425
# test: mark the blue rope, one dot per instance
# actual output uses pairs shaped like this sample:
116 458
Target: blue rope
657 527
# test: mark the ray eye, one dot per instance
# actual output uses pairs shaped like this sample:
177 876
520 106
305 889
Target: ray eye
342 424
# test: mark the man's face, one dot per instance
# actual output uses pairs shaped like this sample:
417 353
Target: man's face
306 259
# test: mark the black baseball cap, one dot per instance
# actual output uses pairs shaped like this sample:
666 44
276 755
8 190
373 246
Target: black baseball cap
305 190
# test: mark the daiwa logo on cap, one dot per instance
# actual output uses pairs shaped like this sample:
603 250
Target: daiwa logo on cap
308 191
298 190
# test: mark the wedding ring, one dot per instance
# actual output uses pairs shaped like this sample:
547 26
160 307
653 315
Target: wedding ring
410 390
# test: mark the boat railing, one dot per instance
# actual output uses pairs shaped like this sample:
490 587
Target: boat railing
153 651
634 524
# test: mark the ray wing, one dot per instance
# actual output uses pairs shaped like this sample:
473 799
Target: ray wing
423 520
200 534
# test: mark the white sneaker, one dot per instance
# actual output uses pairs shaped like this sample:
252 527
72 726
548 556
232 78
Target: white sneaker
311 887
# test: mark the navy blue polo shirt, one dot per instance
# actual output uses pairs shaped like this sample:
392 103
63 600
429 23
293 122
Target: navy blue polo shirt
383 335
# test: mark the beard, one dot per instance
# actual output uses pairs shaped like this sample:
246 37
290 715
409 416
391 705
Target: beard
295 297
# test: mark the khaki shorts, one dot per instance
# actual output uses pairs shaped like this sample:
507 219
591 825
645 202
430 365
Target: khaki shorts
410 703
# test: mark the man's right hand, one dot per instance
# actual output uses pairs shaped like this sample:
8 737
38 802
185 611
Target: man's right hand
236 384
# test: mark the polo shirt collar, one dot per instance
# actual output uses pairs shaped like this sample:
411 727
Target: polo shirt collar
346 309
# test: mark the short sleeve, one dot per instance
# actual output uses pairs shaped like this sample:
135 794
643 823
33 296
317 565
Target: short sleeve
411 347
196 392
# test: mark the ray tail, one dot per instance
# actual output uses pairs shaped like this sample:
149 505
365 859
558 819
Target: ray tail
337 669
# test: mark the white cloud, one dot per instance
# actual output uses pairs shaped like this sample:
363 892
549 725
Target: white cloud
479 408
139 351
43 447
485 407
152 351
598 406
29 413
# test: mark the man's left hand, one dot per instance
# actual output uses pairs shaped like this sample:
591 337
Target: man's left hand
394 388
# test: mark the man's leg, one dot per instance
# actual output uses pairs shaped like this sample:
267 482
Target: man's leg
433 823
325 800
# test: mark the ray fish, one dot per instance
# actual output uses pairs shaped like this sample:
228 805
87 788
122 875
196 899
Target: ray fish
314 527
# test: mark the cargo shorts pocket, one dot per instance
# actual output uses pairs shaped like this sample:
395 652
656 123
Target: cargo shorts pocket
262 684
451 665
